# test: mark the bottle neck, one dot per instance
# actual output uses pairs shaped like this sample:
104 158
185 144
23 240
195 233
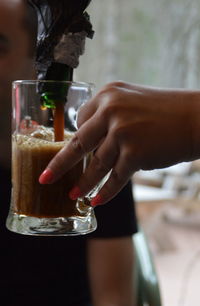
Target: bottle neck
59 72
51 93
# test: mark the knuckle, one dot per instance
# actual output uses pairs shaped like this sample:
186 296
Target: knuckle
115 84
110 104
99 165
108 110
77 146
116 178
132 158
109 93
131 154
128 154
119 131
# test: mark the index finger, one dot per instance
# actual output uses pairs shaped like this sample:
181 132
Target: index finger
85 140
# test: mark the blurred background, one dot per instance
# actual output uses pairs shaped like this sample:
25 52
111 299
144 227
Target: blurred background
157 43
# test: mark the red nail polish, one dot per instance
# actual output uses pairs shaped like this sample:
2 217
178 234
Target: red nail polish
96 200
75 193
46 177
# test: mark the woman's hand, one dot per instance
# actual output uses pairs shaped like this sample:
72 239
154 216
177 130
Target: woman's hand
129 128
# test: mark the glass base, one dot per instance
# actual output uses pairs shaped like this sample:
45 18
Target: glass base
61 226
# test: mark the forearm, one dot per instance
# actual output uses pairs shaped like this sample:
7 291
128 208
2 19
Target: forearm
111 271
186 113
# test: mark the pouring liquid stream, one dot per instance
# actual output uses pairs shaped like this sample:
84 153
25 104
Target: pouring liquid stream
59 122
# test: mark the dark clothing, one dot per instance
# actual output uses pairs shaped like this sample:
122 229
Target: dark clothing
117 218
52 270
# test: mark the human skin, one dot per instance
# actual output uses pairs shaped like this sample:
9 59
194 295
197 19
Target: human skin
111 280
130 127
15 63
14 45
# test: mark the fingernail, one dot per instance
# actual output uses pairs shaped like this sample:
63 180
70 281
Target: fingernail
75 193
46 177
96 200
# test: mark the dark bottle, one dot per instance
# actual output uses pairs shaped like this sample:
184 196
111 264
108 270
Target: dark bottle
52 93
62 29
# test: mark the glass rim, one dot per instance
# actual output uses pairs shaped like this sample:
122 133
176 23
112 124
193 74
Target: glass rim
75 83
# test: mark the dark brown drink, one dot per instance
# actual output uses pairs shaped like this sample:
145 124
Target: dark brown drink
31 155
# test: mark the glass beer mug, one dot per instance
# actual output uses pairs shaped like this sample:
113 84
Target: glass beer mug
43 121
